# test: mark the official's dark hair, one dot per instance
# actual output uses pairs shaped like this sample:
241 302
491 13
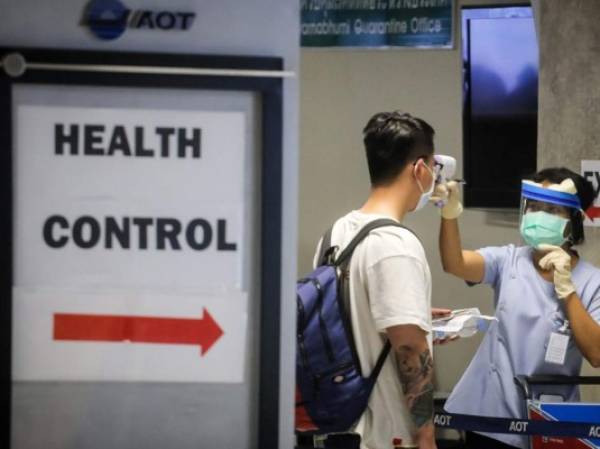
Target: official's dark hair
393 140
585 192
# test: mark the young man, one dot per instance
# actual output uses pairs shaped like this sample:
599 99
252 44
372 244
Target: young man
390 284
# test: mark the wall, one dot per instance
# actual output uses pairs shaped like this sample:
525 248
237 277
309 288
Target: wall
569 105
154 416
341 89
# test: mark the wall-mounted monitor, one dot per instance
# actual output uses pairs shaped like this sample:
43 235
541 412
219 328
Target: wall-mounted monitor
500 73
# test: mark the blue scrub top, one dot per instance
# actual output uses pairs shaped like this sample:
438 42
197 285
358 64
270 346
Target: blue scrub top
528 311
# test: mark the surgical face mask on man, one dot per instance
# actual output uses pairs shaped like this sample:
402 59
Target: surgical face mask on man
540 227
425 196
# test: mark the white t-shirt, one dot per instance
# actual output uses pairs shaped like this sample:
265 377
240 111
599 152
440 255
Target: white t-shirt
390 284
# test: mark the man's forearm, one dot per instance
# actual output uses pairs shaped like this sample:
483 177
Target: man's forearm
416 376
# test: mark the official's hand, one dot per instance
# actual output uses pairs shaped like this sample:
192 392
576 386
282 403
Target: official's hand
450 194
559 261
439 197
437 313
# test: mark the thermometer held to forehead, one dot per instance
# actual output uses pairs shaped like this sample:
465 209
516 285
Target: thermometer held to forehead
446 168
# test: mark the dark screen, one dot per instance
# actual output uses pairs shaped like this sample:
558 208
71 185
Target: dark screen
500 121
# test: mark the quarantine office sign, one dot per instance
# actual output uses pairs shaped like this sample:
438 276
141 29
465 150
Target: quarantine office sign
128 245
377 23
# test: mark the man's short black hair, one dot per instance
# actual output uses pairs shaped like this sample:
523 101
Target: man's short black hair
393 140
585 192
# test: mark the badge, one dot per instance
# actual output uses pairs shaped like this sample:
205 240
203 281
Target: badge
557 348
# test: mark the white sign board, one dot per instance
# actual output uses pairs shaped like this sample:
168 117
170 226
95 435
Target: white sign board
590 170
128 239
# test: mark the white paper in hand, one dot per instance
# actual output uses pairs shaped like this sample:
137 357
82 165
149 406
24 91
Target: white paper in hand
461 323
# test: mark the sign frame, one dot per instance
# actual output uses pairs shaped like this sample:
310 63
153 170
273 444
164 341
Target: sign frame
378 12
256 74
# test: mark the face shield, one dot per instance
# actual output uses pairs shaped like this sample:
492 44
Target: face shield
546 212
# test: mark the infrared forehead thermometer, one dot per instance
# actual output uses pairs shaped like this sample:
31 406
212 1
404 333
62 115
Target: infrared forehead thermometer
447 166
446 170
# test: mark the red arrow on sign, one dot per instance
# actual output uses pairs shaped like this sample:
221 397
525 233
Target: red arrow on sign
593 212
138 329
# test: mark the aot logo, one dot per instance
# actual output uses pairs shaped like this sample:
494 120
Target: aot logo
518 426
108 19
442 420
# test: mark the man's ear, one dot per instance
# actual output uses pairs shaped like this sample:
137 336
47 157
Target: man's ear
409 170
417 168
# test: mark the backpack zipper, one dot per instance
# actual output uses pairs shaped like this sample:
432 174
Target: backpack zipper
319 309
301 312
303 351
324 333
317 285
300 335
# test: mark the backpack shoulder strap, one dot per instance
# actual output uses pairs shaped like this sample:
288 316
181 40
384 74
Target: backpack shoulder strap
325 246
344 260
344 257
380 360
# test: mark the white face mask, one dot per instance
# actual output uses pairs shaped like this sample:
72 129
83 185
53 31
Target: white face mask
425 196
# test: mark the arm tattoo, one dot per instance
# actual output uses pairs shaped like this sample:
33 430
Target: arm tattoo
416 377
